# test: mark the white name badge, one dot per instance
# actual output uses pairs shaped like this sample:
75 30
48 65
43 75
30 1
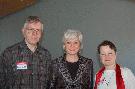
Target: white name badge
21 65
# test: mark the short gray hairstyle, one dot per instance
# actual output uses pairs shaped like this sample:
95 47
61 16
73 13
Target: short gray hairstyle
72 34
32 19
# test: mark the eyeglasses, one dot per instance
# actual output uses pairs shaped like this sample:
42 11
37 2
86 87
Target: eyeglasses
33 30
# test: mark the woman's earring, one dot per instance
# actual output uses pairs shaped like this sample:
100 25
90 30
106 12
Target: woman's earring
64 49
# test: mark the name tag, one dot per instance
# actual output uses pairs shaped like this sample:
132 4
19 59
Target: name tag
21 65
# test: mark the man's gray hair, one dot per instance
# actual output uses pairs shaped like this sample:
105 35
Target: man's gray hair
32 19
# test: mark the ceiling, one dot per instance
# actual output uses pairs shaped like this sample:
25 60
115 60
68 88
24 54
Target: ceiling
11 6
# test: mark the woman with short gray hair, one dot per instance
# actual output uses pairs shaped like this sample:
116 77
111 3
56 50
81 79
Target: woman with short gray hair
72 71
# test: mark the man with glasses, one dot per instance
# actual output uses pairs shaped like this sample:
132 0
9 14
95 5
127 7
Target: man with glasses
25 65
